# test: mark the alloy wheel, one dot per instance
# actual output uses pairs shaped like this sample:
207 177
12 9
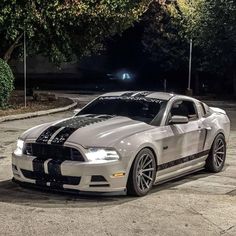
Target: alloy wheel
219 153
144 172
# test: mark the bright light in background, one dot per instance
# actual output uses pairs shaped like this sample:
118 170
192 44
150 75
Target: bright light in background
123 75
126 76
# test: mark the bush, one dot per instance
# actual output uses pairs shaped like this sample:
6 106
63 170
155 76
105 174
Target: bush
6 83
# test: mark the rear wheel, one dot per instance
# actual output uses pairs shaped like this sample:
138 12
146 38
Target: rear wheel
216 159
142 173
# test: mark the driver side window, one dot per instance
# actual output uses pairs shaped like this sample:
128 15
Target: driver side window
183 108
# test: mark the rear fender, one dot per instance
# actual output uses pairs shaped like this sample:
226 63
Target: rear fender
218 110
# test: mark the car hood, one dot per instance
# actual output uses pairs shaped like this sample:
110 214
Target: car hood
88 131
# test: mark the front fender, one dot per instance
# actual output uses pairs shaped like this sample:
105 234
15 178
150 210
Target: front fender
130 147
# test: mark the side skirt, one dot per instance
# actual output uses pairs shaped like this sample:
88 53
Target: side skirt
159 182
180 170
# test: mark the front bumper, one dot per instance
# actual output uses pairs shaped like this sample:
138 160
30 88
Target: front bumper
70 175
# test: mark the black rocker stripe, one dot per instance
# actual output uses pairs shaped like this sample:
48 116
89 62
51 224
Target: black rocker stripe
47 134
182 160
38 169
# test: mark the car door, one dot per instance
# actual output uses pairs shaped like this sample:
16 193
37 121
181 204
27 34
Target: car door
183 140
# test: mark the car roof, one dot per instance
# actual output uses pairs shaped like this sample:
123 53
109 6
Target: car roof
146 94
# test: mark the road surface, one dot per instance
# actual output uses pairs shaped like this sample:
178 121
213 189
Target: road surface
199 204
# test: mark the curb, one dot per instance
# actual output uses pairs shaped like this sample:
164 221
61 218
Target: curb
37 113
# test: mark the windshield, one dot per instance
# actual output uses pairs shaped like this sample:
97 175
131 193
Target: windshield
142 109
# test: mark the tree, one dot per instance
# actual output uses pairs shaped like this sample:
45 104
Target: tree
6 83
212 26
62 29
161 38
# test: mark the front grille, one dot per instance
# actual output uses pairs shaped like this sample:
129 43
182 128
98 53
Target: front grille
45 178
47 151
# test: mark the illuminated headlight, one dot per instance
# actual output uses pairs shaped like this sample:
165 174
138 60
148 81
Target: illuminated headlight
101 155
19 147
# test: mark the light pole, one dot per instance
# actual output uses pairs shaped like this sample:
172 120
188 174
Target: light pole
165 85
190 65
25 85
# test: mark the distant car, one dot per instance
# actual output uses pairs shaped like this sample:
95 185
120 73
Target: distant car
123 142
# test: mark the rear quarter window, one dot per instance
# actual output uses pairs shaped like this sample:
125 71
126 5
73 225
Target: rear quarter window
205 109
202 109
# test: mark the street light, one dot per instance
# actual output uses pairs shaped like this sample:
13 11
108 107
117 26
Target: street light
190 65
25 92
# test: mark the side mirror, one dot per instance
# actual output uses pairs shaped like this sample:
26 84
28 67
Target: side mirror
76 111
178 120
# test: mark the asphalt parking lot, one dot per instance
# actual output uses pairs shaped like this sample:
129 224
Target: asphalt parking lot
199 204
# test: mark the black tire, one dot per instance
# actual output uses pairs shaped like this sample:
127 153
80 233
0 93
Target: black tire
142 173
216 158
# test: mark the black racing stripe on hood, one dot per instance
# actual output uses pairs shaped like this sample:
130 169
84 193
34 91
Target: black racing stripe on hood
63 135
47 134
73 124
82 121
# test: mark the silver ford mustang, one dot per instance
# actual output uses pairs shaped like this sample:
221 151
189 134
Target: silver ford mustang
123 142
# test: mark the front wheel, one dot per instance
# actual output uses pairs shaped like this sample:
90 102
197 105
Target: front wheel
142 174
216 159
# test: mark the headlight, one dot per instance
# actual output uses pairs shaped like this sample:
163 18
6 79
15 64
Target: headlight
101 155
19 147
